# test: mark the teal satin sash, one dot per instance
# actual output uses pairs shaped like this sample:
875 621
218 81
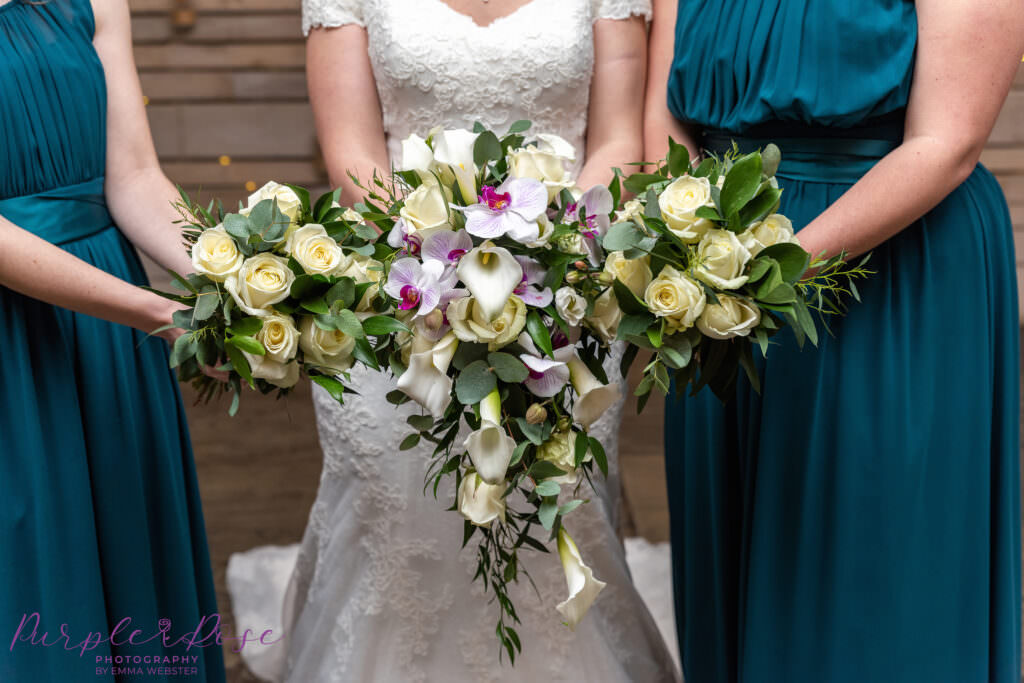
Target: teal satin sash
63 214
810 159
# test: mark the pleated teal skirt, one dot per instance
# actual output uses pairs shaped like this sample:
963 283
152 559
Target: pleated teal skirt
859 520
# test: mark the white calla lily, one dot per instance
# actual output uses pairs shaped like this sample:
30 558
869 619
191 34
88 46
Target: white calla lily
593 398
416 156
426 379
454 149
583 587
490 274
489 447
479 502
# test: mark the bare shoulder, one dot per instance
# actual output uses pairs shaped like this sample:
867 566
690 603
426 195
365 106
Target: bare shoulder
112 17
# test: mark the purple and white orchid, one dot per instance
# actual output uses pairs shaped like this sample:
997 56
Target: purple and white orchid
447 247
418 286
527 290
547 376
404 236
593 209
511 209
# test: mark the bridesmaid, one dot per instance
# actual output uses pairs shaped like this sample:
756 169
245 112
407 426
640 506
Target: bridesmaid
859 520
100 517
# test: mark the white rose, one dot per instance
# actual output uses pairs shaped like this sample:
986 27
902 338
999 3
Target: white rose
730 317
675 297
634 273
479 502
570 305
316 252
426 210
362 269
571 243
607 316
280 339
351 215
216 255
287 201
471 325
679 203
262 281
547 229
774 229
546 161
560 450
721 260
633 210
329 350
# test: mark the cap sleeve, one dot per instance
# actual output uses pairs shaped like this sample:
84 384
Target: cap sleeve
330 13
622 9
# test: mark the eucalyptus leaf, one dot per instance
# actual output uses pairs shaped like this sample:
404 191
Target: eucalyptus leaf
508 368
486 148
474 383
548 488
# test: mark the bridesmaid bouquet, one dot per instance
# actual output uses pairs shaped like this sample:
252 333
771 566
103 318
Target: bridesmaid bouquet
481 277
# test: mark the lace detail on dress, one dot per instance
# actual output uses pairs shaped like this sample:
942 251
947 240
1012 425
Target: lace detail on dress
330 13
622 9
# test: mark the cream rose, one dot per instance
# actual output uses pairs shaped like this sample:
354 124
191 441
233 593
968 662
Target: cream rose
634 273
280 339
679 203
632 210
329 350
216 255
287 201
675 297
262 281
426 210
721 260
607 316
570 305
471 325
774 229
571 243
316 252
730 317
560 450
547 161
362 269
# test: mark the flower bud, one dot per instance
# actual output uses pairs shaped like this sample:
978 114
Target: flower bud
573 276
536 414
564 423
580 265
605 278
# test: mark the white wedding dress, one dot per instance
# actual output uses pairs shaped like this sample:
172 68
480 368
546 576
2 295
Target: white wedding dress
381 590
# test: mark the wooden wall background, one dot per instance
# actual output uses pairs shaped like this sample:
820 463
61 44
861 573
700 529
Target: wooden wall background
228 106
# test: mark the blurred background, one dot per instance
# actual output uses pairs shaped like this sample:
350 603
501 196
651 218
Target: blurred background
226 95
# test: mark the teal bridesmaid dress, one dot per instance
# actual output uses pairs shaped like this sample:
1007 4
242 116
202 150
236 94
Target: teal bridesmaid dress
858 520
100 517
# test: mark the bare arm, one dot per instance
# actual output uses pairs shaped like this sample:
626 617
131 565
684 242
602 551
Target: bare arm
615 116
659 123
343 93
968 52
38 269
139 195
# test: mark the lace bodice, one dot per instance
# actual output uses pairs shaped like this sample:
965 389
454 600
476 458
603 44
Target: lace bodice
435 65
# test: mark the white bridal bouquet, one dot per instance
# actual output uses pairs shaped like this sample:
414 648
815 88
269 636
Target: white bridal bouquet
481 277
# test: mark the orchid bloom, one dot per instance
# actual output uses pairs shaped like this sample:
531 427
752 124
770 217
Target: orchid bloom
426 379
490 274
547 376
593 397
593 209
417 285
404 235
527 290
447 247
454 149
583 587
511 209
489 447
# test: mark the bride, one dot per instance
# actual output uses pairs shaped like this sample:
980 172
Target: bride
381 590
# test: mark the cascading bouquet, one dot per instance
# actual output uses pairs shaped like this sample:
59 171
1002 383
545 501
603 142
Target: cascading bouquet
481 277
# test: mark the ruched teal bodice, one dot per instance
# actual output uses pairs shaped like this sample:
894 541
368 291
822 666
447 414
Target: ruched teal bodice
100 518
859 519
